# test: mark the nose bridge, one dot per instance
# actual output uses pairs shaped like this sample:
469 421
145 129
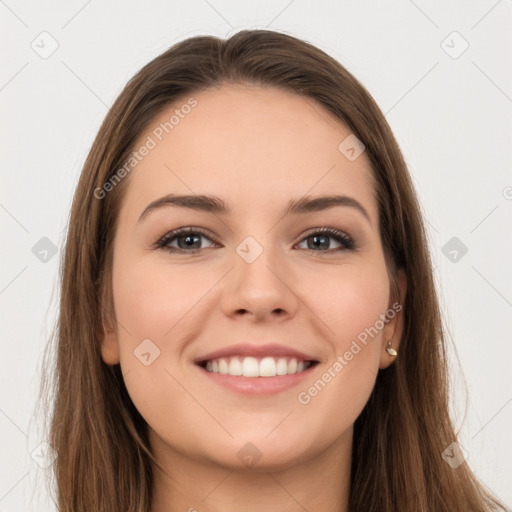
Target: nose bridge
254 261
259 285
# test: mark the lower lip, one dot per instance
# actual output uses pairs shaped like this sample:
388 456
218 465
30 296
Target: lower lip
258 385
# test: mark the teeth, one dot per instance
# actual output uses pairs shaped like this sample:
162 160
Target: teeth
267 367
235 366
223 366
250 367
257 367
281 366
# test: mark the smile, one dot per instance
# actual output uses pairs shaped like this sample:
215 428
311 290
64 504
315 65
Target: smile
256 369
267 366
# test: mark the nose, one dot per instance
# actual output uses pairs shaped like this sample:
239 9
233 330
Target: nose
261 290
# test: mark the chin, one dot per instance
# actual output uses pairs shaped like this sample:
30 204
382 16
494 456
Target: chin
258 453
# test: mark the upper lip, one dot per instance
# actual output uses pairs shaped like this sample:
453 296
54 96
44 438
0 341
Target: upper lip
246 350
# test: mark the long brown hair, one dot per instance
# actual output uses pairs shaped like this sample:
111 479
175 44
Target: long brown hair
104 459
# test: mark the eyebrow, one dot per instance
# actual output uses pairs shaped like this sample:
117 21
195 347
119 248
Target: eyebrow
213 204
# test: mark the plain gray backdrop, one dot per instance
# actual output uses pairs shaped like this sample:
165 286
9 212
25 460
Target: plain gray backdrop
440 71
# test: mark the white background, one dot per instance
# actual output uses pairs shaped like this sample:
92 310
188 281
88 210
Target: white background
452 118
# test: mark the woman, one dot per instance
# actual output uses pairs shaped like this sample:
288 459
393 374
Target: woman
248 318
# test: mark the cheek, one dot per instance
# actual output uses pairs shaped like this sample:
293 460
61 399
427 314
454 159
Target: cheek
349 302
351 306
152 301
166 304
157 310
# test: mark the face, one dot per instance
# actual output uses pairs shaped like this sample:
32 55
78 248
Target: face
251 287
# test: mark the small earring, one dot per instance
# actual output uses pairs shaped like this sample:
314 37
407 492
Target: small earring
390 350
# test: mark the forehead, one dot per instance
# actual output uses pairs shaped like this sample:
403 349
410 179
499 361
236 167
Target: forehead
249 145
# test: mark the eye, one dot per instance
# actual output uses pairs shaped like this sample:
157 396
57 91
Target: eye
187 239
318 240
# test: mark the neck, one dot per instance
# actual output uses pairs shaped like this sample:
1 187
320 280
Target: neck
315 483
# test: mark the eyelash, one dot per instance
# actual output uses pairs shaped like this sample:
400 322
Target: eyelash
348 244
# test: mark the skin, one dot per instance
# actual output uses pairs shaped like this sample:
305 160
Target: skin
256 148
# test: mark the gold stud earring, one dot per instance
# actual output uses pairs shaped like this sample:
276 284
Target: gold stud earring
390 350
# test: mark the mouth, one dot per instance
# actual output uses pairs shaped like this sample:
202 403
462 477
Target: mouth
256 369
253 367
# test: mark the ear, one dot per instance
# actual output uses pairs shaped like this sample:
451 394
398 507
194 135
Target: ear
110 346
393 329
